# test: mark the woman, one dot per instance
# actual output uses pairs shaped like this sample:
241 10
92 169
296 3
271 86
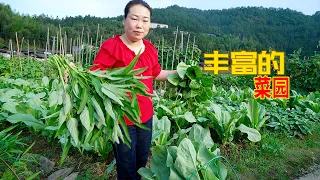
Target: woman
118 52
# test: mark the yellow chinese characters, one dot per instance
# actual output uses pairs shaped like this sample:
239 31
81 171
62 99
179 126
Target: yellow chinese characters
246 63
280 70
264 62
252 63
243 63
214 64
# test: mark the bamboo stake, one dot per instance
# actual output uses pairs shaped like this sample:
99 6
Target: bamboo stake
11 46
80 44
185 56
17 41
179 50
34 49
35 57
28 52
48 39
61 41
174 51
90 49
79 48
194 41
71 47
87 53
10 50
58 42
11 53
53 45
65 42
161 83
165 83
21 68
18 54
97 35
174 48
45 54
101 41
21 46
155 83
73 53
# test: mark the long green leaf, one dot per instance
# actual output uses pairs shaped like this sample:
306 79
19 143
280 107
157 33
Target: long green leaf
65 152
186 162
253 135
84 99
109 109
27 119
72 125
112 96
98 110
132 63
85 118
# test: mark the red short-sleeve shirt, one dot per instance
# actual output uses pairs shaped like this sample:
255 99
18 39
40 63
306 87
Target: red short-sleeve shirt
114 54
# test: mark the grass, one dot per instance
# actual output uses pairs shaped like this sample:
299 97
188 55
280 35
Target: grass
276 156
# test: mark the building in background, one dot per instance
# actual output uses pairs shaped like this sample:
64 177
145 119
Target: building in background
157 25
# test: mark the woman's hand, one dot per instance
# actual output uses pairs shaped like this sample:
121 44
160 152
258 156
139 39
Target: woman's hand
72 64
163 76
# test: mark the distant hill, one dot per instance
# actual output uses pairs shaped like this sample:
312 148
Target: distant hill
245 28
281 29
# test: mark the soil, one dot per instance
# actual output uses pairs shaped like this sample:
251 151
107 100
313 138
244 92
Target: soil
81 163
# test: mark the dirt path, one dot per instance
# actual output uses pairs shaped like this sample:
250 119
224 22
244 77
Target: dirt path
314 175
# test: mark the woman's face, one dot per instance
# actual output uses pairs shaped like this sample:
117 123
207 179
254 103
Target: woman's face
137 23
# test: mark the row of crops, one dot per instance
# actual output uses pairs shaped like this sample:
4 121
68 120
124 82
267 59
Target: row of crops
195 116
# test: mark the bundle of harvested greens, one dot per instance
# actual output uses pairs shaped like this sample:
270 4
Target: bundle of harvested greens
95 103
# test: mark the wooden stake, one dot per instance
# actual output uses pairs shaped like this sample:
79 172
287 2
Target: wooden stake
18 54
185 56
87 53
71 47
34 49
155 83
194 41
53 45
11 53
97 36
58 42
45 54
174 48
80 44
61 42
90 49
28 52
65 43
101 41
162 60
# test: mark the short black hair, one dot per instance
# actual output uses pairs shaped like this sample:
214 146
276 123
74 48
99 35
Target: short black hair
136 2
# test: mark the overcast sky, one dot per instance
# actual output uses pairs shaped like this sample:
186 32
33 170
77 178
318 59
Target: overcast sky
112 8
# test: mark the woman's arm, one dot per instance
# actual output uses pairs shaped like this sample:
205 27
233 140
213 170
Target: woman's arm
163 76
